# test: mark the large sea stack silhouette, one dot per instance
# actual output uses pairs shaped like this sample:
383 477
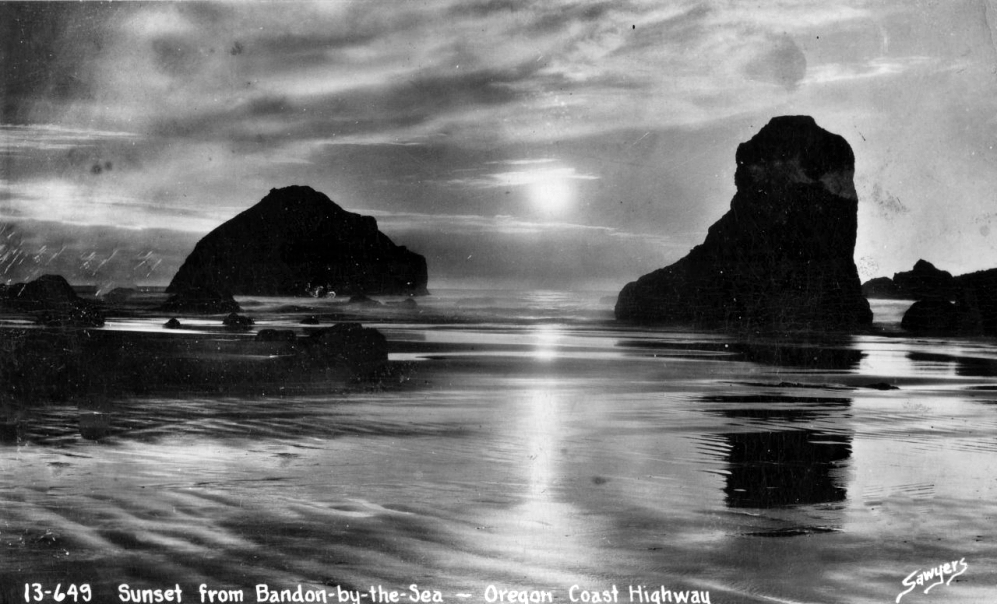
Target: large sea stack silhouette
297 242
782 256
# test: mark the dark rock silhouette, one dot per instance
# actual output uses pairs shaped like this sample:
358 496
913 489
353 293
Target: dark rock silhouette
932 316
296 242
881 386
237 321
95 425
362 300
364 350
782 257
53 302
173 323
925 282
120 295
9 429
40 365
43 292
201 300
310 320
883 288
275 335
977 302
947 305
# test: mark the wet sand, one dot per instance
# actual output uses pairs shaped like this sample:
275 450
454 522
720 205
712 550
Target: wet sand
531 454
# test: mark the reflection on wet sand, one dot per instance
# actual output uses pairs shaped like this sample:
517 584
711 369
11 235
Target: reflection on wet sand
823 354
787 464
970 366
770 469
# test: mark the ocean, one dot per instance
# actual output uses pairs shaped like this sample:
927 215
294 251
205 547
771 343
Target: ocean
527 449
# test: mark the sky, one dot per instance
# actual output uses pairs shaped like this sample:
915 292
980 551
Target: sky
547 144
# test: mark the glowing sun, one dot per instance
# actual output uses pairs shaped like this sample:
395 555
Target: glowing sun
551 193
549 190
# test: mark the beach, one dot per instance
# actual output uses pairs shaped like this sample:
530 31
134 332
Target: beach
528 445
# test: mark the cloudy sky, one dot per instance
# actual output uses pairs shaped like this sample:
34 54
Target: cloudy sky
553 143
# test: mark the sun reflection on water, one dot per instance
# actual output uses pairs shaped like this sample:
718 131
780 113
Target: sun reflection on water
542 520
546 338
542 428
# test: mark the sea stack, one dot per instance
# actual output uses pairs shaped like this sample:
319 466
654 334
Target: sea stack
297 242
53 302
973 313
782 256
923 282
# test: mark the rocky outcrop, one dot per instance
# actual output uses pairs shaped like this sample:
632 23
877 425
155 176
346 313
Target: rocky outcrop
95 425
977 301
40 365
238 322
782 257
53 302
882 288
944 305
362 300
932 316
276 335
297 242
974 312
923 282
363 350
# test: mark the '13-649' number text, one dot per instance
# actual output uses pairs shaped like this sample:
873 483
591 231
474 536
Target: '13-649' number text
35 592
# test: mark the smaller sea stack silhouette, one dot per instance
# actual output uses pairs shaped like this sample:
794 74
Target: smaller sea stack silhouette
782 256
297 242
53 302
944 305
922 282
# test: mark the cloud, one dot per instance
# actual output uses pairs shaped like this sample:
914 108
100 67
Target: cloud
874 68
783 64
502 224
23 139
64 201
377 72
518 178
192 111
522 162
374 73
794 16
43 61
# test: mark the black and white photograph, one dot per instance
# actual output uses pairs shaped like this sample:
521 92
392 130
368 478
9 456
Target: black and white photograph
498 302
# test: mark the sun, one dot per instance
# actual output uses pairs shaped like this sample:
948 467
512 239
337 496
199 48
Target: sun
551 193
550 190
